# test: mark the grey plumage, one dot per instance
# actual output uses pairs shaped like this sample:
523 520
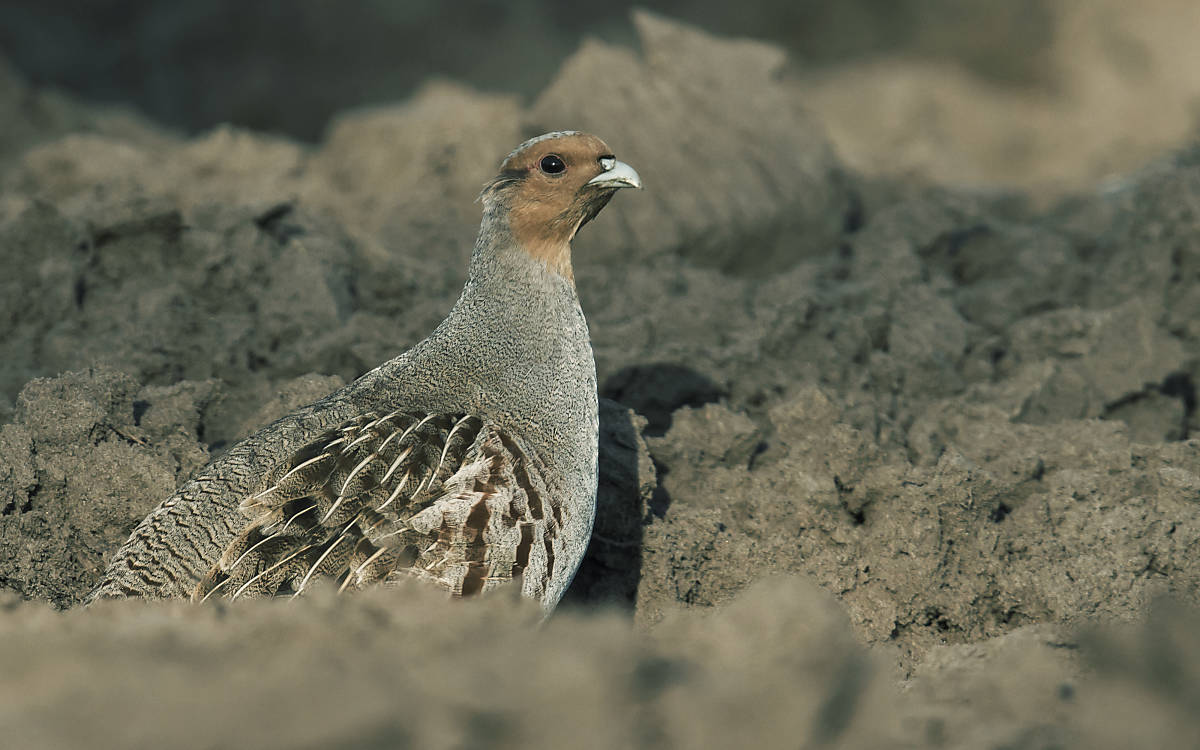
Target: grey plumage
468 460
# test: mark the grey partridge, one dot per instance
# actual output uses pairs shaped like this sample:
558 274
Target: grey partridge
469 460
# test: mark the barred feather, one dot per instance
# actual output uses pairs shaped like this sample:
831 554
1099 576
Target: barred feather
444 497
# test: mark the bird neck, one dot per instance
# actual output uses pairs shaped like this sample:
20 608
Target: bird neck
525 231
514 348
520 326
524 281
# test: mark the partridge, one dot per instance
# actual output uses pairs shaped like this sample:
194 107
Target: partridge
468 461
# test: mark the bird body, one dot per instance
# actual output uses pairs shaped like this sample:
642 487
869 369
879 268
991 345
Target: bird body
470 460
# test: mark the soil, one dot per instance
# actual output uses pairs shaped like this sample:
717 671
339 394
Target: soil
887 460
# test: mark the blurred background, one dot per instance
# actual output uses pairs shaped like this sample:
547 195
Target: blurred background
1047 95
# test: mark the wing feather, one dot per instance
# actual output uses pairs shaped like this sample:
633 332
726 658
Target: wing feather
450 498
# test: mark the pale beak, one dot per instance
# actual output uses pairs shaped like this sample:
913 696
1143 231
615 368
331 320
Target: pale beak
617 174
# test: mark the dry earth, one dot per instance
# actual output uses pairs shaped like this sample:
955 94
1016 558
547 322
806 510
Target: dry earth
885 465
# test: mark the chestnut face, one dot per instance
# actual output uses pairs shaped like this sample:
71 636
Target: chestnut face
554 184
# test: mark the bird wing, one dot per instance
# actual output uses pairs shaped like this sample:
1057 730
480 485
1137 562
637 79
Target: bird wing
450 498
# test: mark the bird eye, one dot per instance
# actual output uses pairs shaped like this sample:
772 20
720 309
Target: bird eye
553 164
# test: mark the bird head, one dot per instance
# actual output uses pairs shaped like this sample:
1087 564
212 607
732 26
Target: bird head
552 185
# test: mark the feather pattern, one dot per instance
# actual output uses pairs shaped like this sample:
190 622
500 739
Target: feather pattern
449 498
487 474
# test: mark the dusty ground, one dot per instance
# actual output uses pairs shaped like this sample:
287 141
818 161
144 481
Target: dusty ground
888 464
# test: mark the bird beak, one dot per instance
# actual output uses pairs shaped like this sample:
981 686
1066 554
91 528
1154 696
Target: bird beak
617 174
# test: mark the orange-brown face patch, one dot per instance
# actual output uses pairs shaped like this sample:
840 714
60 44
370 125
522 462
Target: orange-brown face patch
546 209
